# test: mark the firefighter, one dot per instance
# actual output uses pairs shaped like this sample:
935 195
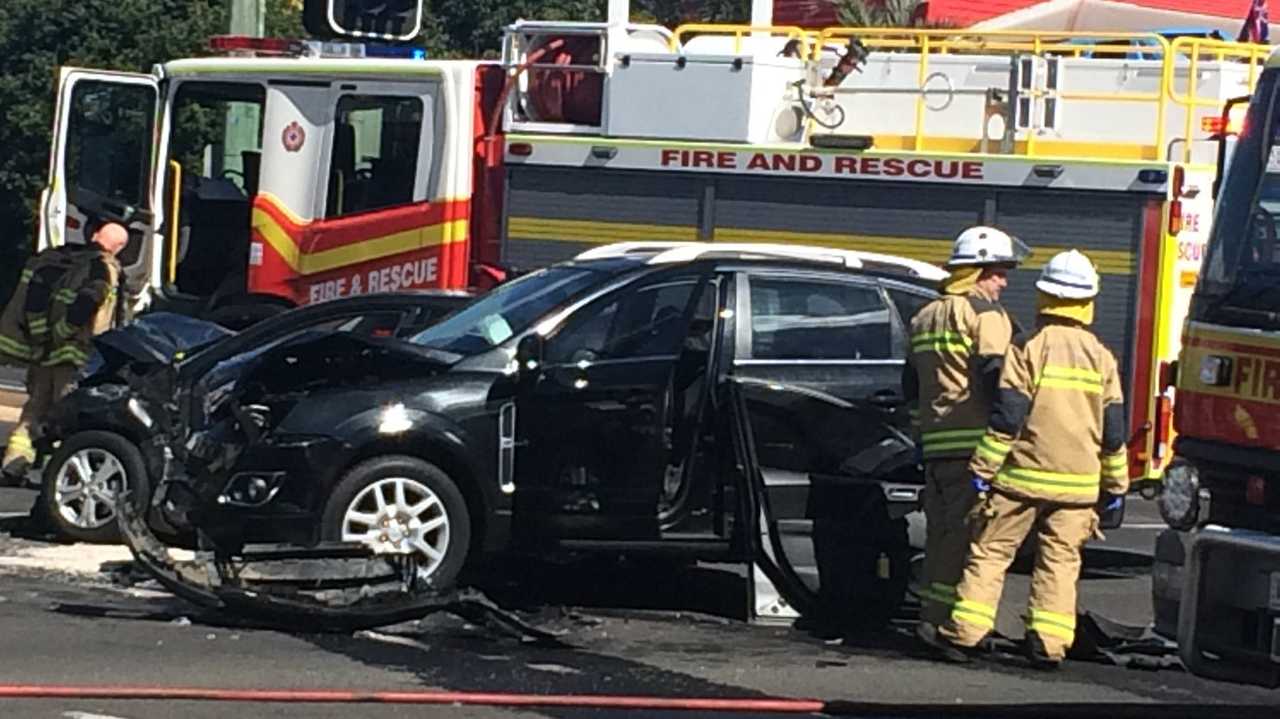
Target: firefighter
958 345
1052 458
65 296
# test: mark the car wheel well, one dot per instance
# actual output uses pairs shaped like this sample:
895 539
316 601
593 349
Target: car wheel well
444 458
99 425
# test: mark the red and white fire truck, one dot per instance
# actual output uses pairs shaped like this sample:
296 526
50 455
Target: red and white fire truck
282 172
1219 586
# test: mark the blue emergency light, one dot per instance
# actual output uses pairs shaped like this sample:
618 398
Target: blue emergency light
401 52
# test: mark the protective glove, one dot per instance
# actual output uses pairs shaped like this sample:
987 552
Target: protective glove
981 485
1111 502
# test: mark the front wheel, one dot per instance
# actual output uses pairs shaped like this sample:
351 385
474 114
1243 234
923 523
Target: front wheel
83 480
399 505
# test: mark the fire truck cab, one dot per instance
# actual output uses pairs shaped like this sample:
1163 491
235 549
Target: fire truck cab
276 176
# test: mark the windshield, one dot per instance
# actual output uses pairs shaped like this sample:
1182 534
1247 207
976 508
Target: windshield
509 310
1242 267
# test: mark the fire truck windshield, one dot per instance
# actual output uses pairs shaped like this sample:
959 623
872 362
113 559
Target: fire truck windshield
1240 280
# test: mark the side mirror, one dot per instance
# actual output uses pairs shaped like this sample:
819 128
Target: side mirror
529 352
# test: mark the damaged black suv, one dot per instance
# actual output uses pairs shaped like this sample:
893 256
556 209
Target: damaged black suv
592 405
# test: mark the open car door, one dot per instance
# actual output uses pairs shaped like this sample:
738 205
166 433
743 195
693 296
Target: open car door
833 544
101 162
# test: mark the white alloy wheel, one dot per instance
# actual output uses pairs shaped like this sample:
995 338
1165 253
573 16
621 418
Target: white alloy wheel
398 515
86 488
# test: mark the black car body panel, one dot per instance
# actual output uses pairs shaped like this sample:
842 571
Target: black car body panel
584 406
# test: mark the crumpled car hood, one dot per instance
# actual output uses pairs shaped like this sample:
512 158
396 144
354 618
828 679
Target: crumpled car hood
153 339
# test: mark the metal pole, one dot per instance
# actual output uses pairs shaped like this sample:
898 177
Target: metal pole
247 18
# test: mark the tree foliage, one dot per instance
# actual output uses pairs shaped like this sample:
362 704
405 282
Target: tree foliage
39 36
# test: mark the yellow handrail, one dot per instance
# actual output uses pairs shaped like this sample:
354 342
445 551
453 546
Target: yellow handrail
1193 49
791 31
1173 56
175 225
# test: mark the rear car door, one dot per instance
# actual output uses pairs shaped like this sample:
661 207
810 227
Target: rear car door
818 365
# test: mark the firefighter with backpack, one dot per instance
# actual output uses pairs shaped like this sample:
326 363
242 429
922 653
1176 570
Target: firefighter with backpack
65 296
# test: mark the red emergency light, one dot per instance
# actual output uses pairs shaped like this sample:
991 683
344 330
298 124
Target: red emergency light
1231 124
255 45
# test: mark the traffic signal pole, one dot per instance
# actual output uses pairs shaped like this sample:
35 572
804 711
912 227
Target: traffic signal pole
242 133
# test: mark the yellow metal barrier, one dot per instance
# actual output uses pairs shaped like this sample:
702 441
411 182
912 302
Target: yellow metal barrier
1194 50
1069 44
738 31
1182 53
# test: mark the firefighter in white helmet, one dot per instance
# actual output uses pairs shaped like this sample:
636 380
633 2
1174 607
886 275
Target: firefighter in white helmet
958 344
1052 457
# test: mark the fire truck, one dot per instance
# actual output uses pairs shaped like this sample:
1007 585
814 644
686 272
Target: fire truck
1220 583
282 172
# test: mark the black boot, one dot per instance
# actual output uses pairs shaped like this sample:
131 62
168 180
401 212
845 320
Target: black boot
14 474
945 650
1037 654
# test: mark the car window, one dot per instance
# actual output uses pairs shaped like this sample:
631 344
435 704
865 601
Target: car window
907 304
807 319
509 309
647 320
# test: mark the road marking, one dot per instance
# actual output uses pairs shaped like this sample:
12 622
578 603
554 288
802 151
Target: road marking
11 515
1140 525
70 558
88 715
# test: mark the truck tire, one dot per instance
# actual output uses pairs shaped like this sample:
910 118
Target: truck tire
82 480
396 503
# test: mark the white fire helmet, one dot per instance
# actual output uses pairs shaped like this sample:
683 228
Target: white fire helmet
1070 275
981 245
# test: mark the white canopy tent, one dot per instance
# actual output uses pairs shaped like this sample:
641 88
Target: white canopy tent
1106 16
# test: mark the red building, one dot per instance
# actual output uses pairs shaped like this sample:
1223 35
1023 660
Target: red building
1081 15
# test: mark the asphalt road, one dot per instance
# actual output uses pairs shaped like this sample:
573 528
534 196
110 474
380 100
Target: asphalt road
11 378
621 631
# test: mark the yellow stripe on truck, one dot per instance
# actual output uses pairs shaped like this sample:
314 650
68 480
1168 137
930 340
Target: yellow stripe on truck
443 233
596 232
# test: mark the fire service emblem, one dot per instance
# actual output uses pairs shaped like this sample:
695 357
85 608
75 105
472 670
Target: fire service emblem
293 137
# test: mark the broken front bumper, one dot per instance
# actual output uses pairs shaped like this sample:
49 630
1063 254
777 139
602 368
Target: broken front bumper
1229 623
337 587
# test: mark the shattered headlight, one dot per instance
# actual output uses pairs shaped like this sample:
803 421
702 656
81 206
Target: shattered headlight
1179 500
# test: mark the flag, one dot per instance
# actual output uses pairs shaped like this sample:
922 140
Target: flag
1255 24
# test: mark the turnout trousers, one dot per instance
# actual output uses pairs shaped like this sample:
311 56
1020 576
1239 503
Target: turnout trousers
1000 524
949 497
45 386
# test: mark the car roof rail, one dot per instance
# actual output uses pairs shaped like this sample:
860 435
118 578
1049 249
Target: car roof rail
675 252
622 249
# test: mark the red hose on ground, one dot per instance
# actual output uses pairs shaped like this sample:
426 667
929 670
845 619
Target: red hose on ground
336 696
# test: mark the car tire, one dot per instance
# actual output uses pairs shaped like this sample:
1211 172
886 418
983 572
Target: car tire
354 506
80 507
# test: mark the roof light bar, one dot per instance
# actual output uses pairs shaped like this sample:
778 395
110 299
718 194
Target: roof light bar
279 46
256 45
